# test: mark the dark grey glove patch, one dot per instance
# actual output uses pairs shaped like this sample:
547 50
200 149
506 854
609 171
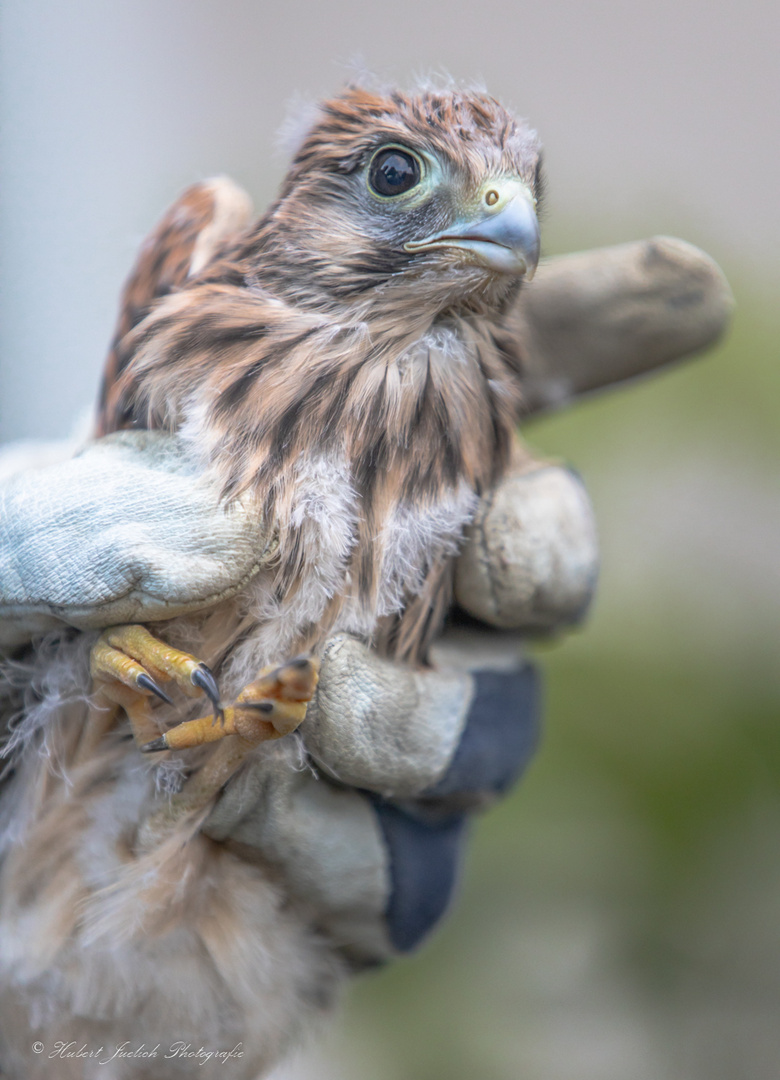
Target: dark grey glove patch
424 859
500 737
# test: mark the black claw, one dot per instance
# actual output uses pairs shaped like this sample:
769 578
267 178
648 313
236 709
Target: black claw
155 744
202 678
147 683
259 706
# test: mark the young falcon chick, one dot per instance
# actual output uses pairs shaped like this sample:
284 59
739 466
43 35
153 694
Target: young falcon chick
345 362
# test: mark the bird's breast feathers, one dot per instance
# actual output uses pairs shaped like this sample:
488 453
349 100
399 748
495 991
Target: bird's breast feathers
367 524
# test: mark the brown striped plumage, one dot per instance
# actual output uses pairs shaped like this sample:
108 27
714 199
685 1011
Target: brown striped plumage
202 219
316 333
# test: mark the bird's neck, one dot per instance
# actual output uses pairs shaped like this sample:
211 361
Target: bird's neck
353 286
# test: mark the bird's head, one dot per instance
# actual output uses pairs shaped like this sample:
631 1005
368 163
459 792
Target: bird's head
422 198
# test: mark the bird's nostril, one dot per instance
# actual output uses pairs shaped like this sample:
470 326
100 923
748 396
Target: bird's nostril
491 197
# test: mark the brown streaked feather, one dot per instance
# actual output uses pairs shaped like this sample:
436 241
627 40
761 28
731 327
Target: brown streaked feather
409 636
204 218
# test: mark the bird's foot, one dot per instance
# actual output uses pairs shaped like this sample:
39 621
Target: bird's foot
127 666
268 708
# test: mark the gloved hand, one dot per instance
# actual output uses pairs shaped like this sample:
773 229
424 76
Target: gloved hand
370 839
373 833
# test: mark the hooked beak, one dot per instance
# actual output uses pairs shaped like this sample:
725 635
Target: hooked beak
504 236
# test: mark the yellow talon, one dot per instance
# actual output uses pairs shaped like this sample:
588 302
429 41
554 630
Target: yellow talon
254 724
294 681
132 656
272 706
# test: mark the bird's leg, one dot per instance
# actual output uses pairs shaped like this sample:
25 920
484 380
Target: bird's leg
128 664
104 708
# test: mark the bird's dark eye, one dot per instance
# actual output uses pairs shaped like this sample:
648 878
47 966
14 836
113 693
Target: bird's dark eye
393 171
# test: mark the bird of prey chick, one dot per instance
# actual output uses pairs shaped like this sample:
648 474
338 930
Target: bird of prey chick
344 363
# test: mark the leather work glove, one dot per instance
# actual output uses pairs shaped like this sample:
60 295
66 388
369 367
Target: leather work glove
368 831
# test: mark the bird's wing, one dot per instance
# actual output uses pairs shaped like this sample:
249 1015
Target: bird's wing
205 218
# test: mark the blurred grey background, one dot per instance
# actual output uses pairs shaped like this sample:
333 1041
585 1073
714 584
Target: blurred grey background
620 913
655 117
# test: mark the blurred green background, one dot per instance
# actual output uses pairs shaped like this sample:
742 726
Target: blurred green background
619 914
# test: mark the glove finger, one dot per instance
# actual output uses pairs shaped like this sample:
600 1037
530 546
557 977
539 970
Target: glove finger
600 317
406 734
530 561
378 876
381 725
